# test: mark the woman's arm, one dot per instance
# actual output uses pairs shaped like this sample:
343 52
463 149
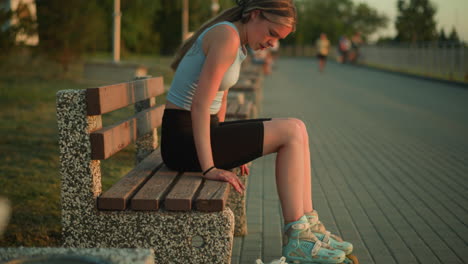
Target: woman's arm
220 46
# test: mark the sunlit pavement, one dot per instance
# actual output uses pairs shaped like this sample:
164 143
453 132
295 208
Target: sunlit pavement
390 163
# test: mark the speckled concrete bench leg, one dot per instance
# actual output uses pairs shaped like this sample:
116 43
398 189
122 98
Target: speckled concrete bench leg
191 237
188 237
237 202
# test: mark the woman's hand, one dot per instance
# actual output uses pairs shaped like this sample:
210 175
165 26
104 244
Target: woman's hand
244 170
228 176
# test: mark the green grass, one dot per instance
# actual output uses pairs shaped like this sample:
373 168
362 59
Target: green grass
157 66
29 160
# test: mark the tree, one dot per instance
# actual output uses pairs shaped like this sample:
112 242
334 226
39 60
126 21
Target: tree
453 38
139 33
7 32
168 22
442 36
366 19
68 28
199 13
25 25
321 16
335 18
415 21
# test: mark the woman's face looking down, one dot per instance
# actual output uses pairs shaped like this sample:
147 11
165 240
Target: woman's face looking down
262 33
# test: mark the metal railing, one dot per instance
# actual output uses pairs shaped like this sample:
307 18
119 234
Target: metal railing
439 60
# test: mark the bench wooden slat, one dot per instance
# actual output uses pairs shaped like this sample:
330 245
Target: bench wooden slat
117 197
109 140
236 97
245 110
151 195
258 83
232 109
244 84
252 69
213 196
252 76
105 99
182 194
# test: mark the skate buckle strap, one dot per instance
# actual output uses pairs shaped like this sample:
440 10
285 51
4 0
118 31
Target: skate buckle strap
326 238
313 220
316 248
300 226
282 260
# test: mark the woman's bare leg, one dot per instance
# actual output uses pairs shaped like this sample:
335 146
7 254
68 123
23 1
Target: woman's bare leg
285 136
308 206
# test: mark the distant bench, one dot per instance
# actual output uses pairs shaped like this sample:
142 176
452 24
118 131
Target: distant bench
239 108
182 216
250 84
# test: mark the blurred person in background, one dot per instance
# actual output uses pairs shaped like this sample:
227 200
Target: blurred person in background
263 57
323 48
344 45
274 51
356 41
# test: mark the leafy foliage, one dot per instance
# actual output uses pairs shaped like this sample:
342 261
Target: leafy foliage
139 33
68 28
442 36
415 21
335 18
169 23
154 27
25 25
453 38
367 20
7 33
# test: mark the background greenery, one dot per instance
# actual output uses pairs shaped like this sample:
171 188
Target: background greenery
68 29
29 173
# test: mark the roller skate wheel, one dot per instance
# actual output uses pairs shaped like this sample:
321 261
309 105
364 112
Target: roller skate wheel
353 258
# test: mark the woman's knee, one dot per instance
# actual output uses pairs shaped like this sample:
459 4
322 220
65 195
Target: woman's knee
300 123
281 132
303 128
294 130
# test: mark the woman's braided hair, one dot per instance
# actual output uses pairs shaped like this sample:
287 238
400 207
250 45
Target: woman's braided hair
277 11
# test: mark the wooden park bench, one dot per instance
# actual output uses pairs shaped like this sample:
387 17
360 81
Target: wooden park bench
250 83
182 216
239 108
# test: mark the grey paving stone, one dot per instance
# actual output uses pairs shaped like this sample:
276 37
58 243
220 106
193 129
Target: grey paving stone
388 161
236 250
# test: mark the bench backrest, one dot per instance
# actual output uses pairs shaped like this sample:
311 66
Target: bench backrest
84 142
111 139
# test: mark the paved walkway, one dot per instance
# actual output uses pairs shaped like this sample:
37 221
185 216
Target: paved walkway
389 158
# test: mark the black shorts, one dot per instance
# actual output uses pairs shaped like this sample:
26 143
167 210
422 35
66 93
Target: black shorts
321 56
233 143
